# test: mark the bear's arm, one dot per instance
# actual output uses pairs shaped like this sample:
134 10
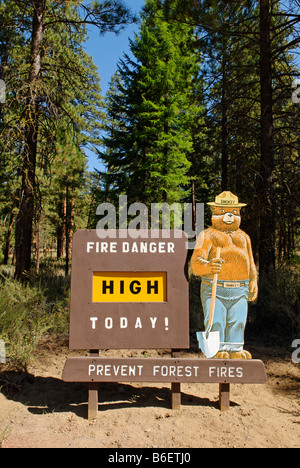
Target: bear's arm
253 288
253 272
199 261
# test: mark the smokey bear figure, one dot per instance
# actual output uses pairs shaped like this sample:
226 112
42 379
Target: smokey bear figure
237 275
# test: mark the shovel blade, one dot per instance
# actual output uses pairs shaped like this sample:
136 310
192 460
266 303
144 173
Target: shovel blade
209 343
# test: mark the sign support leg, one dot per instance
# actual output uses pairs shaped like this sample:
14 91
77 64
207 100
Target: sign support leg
176 387
224 396
93 393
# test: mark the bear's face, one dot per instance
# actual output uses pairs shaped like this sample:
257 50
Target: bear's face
226 219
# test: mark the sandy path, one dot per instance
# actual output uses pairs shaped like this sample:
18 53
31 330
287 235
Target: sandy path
46 412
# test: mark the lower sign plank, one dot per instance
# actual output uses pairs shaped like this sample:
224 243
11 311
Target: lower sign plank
87 369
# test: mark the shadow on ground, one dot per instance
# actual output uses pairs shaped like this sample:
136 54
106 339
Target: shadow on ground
42 395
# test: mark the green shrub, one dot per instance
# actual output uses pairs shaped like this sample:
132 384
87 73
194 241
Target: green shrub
28 311
277 312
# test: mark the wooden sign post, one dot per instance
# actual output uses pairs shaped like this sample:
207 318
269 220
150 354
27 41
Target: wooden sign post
129 293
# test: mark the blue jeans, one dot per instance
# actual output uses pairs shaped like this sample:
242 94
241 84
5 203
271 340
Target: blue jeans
230 315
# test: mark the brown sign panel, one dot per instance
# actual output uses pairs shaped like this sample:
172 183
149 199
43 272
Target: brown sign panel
88 369
129 292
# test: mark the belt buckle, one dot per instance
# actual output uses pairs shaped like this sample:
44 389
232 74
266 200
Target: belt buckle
232 285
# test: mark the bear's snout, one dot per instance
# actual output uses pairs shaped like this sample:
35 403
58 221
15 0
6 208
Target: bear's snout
228 218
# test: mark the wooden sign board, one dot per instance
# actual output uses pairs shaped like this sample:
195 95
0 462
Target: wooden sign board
129 292
88 369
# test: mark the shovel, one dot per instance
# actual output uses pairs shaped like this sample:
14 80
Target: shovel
209 342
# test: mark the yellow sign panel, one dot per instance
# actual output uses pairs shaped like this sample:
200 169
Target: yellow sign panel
129 287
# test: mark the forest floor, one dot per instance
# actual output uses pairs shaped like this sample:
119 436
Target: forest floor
39 410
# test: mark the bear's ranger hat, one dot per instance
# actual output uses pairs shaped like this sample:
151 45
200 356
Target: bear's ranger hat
227 199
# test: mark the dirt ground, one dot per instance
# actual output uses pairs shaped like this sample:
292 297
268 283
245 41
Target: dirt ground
39 410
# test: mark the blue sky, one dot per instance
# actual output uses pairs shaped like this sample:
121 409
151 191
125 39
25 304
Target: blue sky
106 51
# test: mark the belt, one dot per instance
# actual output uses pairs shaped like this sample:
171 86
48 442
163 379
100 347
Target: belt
227 284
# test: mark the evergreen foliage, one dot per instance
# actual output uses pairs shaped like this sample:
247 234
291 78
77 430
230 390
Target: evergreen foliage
52 87
150 109
202 103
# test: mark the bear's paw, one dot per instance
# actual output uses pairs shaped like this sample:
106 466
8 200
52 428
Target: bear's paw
222 355
240 355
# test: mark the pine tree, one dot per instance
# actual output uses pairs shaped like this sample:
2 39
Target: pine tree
149 139
38 18
12 68
249 72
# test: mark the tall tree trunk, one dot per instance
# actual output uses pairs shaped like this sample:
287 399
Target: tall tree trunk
37 249
224 131
61 227
24 220
67 231
266 182
70 213
8 237
71 223
224 123
92 207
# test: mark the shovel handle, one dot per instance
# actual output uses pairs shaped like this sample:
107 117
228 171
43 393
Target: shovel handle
213 294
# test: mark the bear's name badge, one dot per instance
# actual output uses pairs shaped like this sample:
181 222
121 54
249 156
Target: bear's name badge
232 285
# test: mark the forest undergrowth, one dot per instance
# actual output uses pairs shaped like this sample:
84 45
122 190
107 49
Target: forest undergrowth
40 307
